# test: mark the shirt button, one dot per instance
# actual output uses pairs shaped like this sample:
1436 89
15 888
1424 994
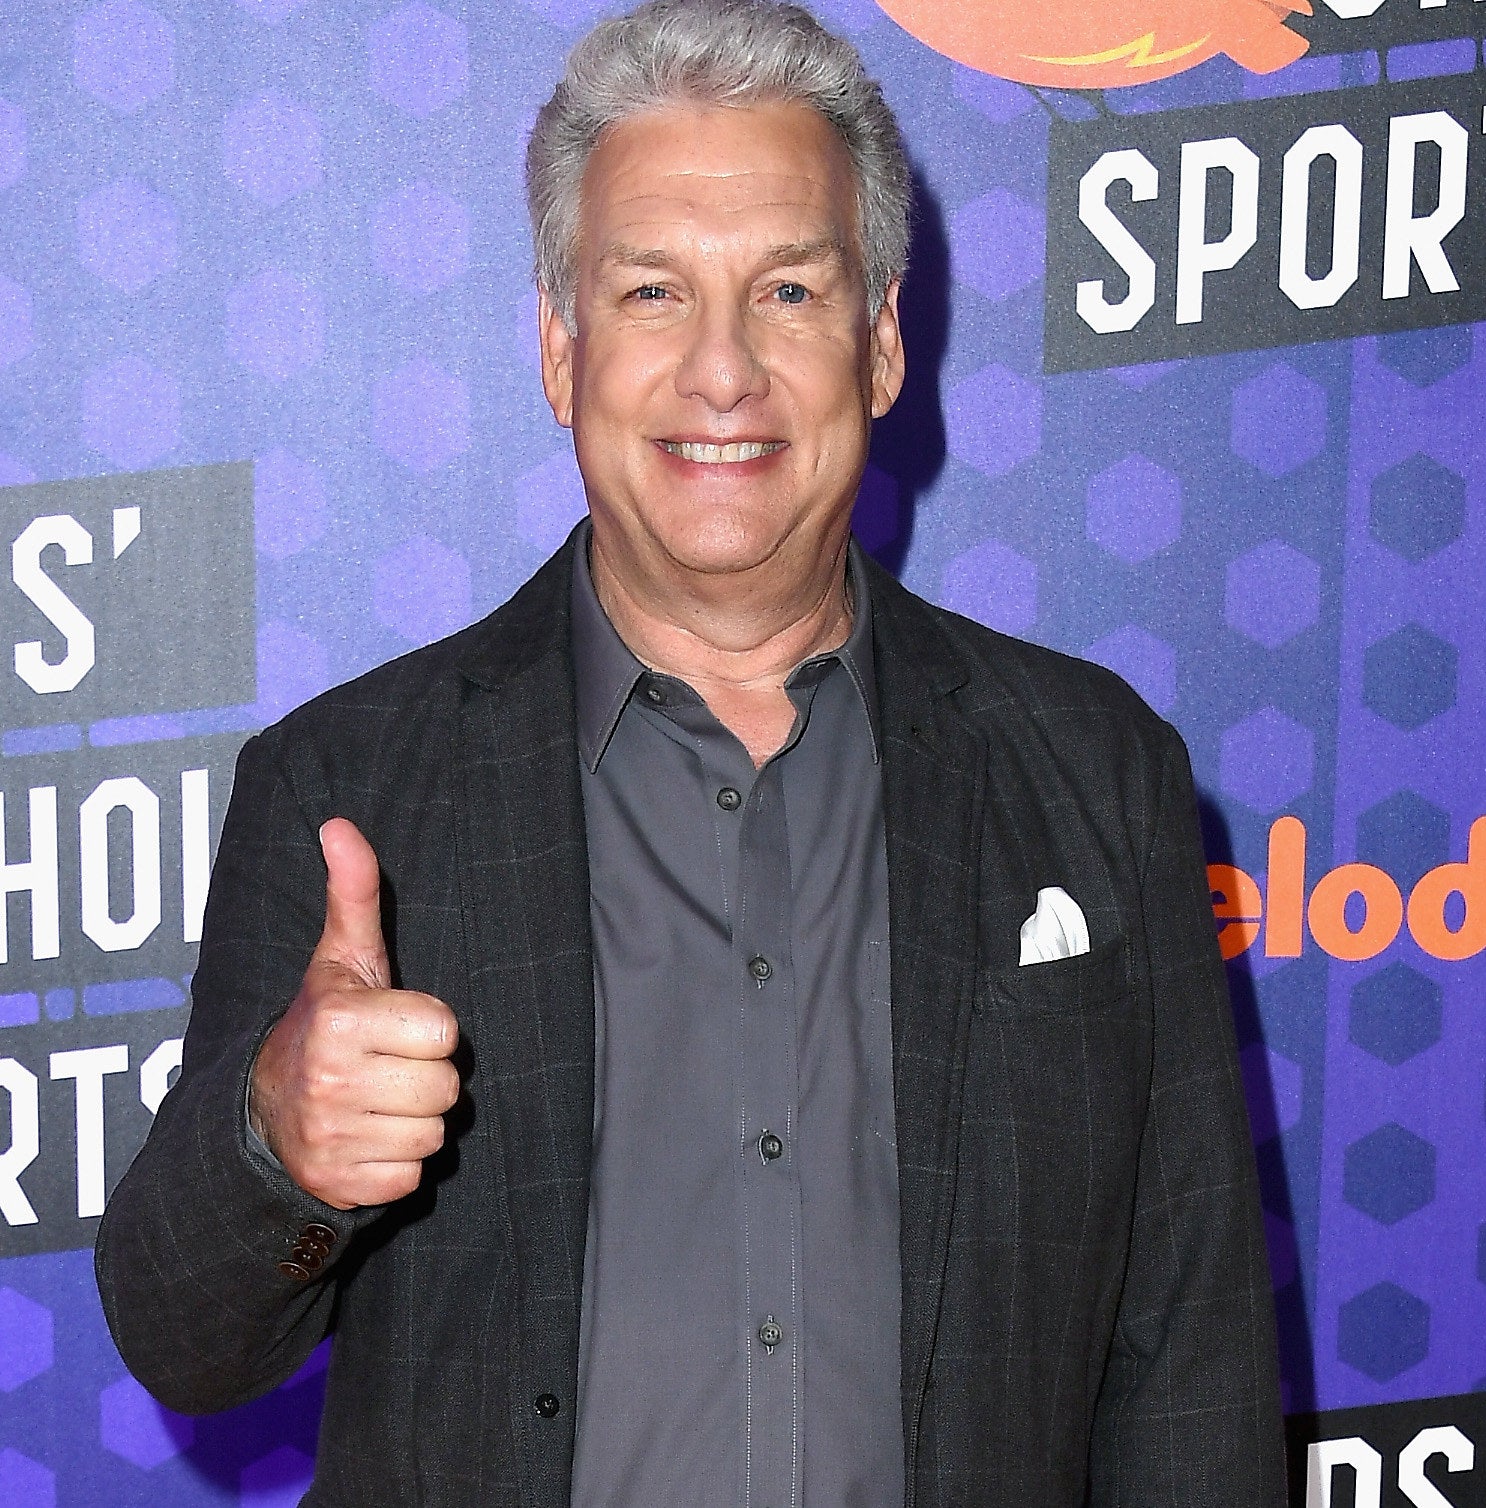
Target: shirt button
770 1333
770 1147
547 1405
760 968
729 799
655 696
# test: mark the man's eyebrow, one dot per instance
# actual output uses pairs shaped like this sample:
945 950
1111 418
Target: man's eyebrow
807 253
619 254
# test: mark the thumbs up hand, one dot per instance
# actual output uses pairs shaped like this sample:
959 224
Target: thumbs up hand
350 1088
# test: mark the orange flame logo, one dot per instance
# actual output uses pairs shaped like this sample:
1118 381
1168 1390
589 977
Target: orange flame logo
1102 44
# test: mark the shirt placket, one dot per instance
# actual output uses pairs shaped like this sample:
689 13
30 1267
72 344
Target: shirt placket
772 1321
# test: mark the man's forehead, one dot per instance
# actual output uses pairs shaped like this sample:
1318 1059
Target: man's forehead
756 155
775 177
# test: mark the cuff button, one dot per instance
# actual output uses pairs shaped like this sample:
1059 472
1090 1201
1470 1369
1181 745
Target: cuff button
294 1270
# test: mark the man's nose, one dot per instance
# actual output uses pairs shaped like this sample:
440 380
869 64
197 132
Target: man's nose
721 363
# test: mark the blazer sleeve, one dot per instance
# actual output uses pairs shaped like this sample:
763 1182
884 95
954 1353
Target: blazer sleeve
188 1251
1189 1409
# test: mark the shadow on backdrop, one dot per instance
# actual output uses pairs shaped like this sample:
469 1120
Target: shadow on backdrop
1297 1345
908 450
265 1448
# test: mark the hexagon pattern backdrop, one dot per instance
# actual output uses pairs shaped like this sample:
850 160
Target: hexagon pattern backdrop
293 232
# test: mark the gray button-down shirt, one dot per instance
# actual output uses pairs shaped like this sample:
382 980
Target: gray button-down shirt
741 1294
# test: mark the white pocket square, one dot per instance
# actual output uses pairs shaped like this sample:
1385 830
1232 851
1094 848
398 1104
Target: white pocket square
1056 929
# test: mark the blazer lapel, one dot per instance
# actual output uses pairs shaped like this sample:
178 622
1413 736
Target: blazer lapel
523 873
946 828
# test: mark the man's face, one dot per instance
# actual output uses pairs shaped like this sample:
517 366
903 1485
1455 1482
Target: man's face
724 374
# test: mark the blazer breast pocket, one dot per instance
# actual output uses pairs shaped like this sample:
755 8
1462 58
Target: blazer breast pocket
1056 1085
1093 981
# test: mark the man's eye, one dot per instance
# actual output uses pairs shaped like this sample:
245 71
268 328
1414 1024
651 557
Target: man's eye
650 292
792 293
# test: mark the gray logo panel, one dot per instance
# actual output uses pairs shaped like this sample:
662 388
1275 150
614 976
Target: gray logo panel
1339 26
1278 223
103 878
127 595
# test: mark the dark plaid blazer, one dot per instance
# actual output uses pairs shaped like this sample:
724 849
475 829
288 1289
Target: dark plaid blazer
1086 1311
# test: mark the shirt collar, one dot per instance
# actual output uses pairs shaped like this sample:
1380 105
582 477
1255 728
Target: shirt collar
607 670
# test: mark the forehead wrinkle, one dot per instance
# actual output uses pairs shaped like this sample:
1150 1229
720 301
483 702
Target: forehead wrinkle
633 186
686 204
821 249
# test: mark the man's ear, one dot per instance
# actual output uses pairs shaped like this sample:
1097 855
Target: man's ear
887 353
557 343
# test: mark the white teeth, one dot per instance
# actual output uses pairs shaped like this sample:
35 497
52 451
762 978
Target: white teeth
716 455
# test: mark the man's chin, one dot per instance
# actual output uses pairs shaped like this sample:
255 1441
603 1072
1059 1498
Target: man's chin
713 557
720 541
715 537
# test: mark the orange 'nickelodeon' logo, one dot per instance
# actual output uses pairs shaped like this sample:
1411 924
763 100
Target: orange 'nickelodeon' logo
1102 44
1446 911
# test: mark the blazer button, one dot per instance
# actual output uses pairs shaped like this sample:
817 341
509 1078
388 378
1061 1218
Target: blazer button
547 1405
317 1232
311 1260
294 1270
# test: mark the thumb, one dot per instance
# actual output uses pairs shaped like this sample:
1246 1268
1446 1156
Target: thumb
353 908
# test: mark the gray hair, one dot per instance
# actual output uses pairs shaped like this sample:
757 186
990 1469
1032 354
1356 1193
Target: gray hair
713 52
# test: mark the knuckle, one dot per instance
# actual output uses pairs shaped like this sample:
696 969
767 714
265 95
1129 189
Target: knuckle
429 1013
434 1090
396 1182
324 1136
331 1192
335 1192
450 1087
321 1088
340 1016
437 1020
315 1176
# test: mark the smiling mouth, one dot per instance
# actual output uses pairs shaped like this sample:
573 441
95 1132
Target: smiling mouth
721 455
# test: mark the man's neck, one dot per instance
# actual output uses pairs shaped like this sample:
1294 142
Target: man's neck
734 642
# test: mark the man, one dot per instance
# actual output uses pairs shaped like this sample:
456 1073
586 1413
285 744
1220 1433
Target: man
720 1030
